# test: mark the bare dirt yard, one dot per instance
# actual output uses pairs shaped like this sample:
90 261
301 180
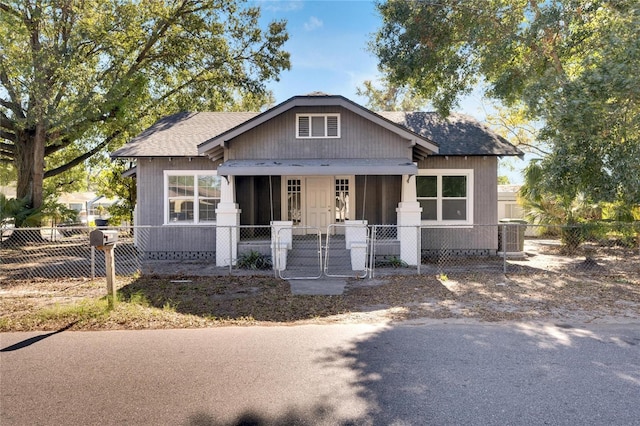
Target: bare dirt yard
179 302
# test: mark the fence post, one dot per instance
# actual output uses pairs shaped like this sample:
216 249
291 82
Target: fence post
231 240
372 255
419 246
504 248
93 263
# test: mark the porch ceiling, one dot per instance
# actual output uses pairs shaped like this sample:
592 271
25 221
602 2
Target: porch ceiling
328 167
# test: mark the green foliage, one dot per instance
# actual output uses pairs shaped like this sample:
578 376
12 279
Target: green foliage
7 174
112 184
569 66
57 213
19 212
81 78
391 262
254 260
543 205
503 180
390 97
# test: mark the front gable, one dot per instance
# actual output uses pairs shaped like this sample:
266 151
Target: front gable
276 134
280 138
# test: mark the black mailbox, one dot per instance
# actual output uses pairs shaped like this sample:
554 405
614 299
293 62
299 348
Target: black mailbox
100 237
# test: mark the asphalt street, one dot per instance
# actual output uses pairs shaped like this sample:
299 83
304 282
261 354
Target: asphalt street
430 373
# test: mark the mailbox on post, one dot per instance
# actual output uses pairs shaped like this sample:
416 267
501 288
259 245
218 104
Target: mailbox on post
106 241
100 237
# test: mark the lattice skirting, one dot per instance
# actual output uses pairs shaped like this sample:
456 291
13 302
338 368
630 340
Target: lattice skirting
180 255
453 253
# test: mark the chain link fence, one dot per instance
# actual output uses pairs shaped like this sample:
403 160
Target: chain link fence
337 251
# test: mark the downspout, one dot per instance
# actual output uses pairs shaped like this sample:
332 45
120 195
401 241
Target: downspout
364 196
271 197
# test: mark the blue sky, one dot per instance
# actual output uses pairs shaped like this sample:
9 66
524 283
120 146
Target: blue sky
327 42
328 46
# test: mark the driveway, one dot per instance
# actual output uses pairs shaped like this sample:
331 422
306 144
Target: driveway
428 372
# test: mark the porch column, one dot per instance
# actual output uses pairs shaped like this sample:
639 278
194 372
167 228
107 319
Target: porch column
227 222
409 219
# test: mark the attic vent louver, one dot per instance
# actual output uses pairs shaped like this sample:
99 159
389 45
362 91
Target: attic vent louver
317 126
303 126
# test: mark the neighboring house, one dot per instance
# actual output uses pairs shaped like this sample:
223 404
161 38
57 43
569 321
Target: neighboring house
316 161
508 206
8 191
87 204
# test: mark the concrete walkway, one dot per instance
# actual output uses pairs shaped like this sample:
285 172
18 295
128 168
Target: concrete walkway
323 286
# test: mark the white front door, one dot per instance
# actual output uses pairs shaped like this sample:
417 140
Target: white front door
319 204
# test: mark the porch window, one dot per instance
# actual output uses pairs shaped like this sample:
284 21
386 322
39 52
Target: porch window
317 126
294 201
191 196
445 196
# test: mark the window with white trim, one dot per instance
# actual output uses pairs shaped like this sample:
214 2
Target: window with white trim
446 196
309 126
342 199
294 200
191 196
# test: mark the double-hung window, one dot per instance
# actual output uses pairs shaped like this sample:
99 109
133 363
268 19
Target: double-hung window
191 196
446 196
310 126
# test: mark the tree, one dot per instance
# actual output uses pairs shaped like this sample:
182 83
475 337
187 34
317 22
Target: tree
79 78
111 183
390 97
571 65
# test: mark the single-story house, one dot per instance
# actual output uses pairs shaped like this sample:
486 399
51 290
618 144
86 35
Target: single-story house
316 162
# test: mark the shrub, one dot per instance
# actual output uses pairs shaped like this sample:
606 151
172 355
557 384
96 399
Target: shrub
254 260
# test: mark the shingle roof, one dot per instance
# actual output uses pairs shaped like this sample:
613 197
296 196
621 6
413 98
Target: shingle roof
457 135
178 135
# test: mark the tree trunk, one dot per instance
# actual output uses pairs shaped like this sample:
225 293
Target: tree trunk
38 165
24 166
29 163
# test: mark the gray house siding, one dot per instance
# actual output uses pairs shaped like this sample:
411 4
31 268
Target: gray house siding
482 238
376 149
169 242
276 139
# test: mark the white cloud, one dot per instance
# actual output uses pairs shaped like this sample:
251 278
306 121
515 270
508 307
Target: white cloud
313 23
280 6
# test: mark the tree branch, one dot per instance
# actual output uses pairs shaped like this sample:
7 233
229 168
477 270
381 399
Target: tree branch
7 123
14 105
80 159
7 136
532 147
6 8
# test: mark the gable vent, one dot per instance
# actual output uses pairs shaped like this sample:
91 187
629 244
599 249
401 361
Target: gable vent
303 126
332 126
317 126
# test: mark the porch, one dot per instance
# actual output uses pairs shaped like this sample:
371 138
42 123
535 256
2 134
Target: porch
318 212
314 254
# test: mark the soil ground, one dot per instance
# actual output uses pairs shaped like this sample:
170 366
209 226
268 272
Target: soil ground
165 302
